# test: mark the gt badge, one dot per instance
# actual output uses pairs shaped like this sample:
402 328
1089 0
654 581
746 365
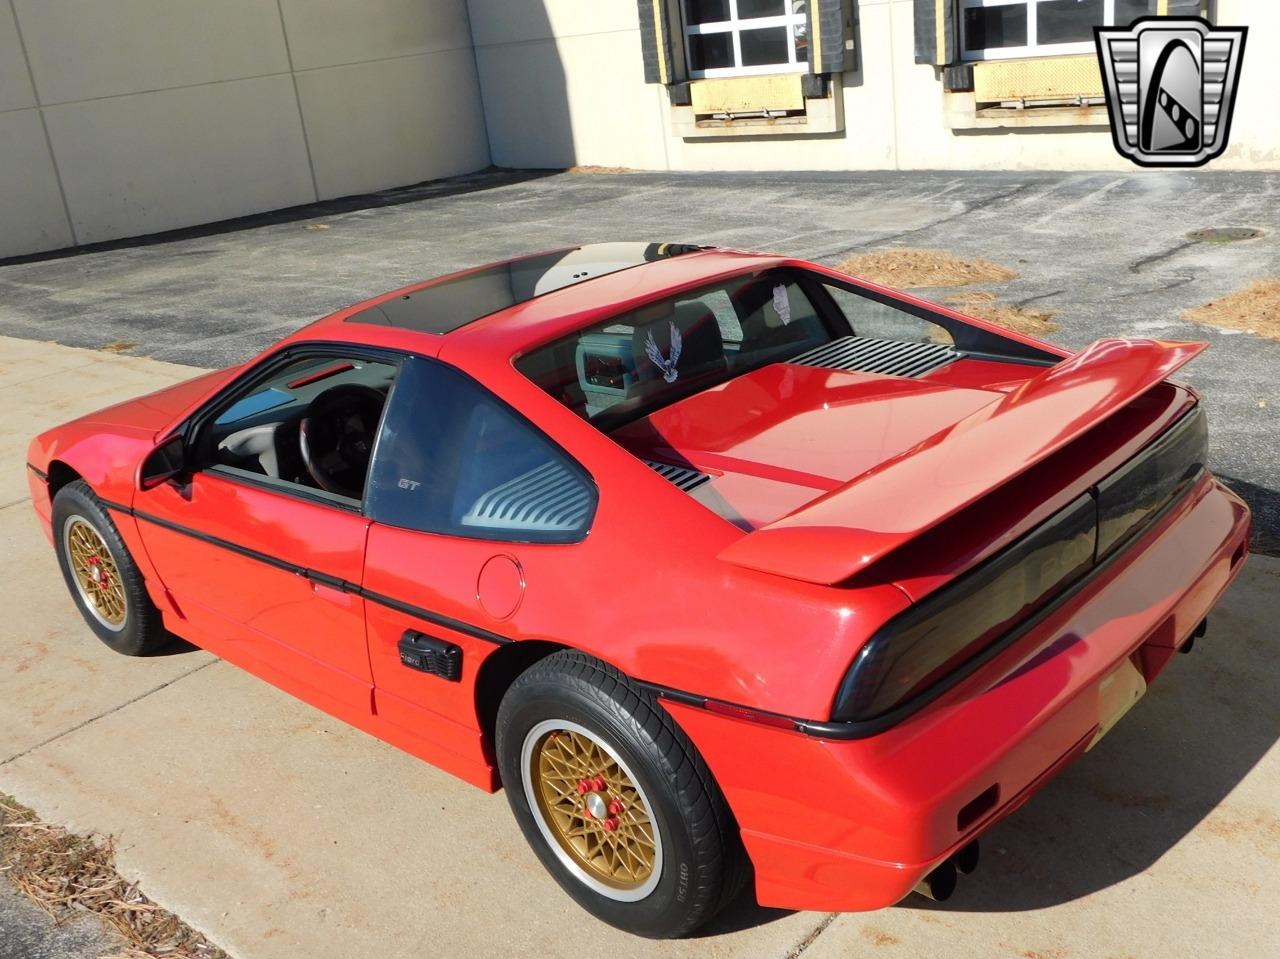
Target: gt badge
1171 87
666 364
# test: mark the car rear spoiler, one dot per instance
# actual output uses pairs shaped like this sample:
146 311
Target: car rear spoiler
849 529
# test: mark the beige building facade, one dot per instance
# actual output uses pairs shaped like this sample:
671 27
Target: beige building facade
121 118
126 117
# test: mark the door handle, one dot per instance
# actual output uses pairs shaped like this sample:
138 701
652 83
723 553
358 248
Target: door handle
430 655
336 591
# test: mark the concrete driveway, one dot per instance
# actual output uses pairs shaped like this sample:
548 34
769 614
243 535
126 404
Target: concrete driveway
281 833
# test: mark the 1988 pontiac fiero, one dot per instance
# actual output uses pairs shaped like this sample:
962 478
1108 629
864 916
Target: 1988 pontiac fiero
722 563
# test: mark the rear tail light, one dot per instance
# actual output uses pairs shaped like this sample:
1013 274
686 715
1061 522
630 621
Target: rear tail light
933 638
929 640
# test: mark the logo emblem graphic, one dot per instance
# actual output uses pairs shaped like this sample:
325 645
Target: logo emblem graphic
667 365
1171 87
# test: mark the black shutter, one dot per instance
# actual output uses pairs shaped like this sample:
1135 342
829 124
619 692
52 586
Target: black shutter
657 18
830 24
937 20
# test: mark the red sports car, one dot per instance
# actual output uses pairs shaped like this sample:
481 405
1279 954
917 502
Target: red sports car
726 565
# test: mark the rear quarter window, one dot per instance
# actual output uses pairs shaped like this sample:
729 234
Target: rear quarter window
452 458
875 320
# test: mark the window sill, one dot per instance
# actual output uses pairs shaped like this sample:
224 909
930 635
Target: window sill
962 113
820 116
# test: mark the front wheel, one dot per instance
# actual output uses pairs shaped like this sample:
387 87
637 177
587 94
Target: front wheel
103 579
615 800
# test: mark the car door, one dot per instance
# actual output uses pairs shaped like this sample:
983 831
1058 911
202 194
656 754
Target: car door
263 562
466 496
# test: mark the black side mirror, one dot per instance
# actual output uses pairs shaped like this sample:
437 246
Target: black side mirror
163 463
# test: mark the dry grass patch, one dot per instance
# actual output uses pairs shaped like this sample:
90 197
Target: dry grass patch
68 875
1020 319
1255 309
119 346
907 268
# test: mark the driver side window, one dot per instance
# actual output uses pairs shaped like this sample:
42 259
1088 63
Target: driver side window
307 427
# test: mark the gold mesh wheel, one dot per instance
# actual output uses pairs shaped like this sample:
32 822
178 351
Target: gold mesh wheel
95 572
589 806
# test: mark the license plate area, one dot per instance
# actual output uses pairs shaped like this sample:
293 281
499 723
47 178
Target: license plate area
1117 694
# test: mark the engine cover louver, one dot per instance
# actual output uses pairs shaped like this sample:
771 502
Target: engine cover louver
683 477
861 354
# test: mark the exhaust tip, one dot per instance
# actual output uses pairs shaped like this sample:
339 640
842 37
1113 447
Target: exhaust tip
966 859
939 884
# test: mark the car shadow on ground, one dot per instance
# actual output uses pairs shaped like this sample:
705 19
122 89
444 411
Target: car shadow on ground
1203 725
176 646
740 915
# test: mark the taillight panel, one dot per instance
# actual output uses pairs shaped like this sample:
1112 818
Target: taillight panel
931 640
927 641
1129 496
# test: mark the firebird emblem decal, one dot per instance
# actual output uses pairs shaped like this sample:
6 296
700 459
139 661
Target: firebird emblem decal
667 365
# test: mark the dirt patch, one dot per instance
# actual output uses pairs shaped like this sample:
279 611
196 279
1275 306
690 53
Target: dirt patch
1255 309
1020 319
597 170
68 875
1260 829
878 937
119 346
907 268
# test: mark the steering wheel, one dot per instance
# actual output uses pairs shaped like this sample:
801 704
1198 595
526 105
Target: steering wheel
336 437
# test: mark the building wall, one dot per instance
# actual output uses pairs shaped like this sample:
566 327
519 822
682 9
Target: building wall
562 85
125 117
130 117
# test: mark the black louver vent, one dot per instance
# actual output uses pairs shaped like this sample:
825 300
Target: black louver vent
861 354
683 477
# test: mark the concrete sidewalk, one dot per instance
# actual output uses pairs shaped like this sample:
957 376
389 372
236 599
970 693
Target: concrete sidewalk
281 833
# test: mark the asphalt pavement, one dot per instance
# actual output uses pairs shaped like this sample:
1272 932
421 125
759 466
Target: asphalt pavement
27 932
1108 250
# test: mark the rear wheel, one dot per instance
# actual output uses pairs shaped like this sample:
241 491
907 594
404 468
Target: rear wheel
615 800
103 579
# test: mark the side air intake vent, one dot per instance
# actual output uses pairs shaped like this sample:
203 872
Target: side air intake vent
681 476
861 354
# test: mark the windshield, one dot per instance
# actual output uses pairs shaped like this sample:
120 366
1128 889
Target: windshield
640 361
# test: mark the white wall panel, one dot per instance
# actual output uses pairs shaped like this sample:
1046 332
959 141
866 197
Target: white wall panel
393 122
15 81
32 217
325 34
84 49
158 161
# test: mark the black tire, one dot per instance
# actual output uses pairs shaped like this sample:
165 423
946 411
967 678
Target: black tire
702 865
141 629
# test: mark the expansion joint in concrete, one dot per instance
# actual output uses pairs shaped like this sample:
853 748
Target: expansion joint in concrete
93 719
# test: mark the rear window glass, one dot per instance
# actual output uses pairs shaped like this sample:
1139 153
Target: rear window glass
635 363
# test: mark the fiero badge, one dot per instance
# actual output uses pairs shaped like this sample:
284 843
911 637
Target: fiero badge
1171 87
